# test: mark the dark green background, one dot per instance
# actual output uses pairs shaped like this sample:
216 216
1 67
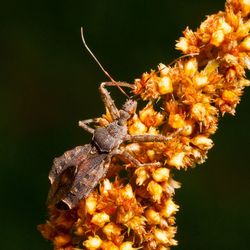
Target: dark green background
49 82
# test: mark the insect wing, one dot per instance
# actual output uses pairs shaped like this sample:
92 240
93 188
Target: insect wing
89 172
61 186
63 172
70 158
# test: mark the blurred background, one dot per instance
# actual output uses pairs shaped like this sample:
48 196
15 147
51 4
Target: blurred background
49 82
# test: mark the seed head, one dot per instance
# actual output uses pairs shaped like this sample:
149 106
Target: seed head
133 207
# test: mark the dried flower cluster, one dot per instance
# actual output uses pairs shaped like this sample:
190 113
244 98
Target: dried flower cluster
136 209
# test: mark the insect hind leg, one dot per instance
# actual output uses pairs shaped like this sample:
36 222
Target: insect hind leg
152 138
131 159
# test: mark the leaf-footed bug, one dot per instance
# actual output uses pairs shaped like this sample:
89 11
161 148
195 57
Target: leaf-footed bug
77 172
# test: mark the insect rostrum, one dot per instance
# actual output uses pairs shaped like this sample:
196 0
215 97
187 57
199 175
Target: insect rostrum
77 172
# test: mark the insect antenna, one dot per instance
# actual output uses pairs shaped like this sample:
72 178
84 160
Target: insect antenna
100 65
180 57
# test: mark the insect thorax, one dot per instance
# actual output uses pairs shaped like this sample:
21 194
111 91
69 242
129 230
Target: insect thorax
110 137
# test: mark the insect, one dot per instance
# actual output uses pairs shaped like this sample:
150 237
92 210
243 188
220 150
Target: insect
77 172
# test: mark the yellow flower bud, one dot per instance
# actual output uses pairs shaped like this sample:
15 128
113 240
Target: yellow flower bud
150 117
151 154
200 81
136 222
182 45
155 190
176 121
153 217
188 129
161 174
90 204
153 131
61 240
127 245
163 248
177 160
191 67
217 38
170 186
105 187
243 29
202 142
142 175
161 236
212 66
100 219
79 231
231 75
111 229
245 6
137 127
109 245
198 111
224 26
165 85
198 156
125 217
169 208
127 192
133 147
164 70
92 243
246 43
148 111
230 96
244 82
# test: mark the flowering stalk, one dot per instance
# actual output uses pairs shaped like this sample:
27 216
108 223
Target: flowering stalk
137 210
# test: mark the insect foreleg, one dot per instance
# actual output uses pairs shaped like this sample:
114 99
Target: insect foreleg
107 99
85 124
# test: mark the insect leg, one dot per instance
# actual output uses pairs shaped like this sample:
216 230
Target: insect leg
151 138
85 124
128 157
121 84
107 99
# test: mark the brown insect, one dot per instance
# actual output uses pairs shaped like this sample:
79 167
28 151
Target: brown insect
77 172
